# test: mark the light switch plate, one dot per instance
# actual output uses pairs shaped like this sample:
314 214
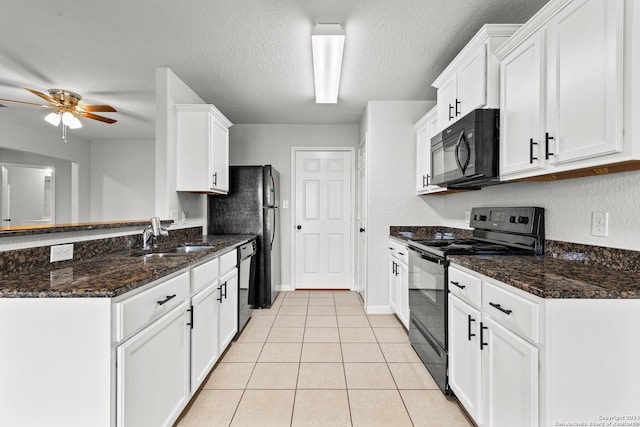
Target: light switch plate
61 252
600 224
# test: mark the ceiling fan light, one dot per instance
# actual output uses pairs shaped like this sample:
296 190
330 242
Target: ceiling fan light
75 124
68 119
53 118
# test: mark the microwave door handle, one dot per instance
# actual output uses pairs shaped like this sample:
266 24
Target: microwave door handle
460 166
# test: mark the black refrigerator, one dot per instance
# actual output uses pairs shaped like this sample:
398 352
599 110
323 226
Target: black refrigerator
251 207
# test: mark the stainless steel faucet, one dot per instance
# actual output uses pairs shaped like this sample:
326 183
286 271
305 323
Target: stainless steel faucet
153 231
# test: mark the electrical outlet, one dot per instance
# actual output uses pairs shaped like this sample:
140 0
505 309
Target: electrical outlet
600 224
467 217
61 252
173 216
285 204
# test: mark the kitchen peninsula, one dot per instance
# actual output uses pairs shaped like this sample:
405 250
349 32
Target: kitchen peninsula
75 334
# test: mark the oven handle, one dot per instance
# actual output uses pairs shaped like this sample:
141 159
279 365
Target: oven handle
428 257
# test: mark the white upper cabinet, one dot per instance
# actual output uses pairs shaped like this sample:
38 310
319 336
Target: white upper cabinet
584 87
561 80
521 108
471 79
426 128
202 149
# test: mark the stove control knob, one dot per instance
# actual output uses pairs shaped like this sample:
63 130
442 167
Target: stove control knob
523 220
512 219
483 217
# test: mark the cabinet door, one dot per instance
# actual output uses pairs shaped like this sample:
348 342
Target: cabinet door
423 154
393 284
472 83
510 376
423 159
521 108
204 334
446 102
219 156
228 301
464 356
153 372
584 90
403 293
192 172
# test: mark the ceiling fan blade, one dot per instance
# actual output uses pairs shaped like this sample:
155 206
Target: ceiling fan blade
28 103
43 96
99 108
99 118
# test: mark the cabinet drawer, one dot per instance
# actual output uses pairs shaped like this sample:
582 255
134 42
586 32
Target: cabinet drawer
516 313
204 274
140 310
393 248
228 261
403 254
465 286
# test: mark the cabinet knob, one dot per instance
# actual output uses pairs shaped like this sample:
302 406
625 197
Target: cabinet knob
361 229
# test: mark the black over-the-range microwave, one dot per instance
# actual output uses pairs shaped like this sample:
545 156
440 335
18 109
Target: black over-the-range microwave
466 153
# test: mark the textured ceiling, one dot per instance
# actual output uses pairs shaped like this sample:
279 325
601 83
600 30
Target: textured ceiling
251 58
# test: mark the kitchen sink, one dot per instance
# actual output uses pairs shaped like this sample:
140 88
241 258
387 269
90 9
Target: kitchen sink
172 252
185 250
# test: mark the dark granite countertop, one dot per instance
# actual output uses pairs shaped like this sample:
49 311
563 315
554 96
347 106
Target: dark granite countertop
112 274
548 277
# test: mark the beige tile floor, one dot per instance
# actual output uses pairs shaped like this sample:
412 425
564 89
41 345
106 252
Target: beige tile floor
316 359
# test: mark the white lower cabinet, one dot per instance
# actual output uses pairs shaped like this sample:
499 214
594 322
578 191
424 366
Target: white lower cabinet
510 372
228 301
464 355
204 333
399 281
153 372
519 360
493 368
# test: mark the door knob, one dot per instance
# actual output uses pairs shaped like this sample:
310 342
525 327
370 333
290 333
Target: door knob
361 230
299 227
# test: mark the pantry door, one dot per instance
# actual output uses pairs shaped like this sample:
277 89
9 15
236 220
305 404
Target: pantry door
323 251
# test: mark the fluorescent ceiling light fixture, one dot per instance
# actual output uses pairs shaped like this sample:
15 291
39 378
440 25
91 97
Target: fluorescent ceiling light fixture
327 43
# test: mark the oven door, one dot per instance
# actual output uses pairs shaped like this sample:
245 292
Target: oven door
428 313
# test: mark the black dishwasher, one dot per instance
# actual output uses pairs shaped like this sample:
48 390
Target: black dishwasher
246 280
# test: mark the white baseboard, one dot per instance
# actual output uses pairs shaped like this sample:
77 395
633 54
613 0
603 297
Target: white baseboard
378 309
286 288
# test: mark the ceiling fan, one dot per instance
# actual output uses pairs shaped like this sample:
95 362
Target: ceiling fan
67 108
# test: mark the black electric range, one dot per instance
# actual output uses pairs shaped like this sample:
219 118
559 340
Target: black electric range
496 231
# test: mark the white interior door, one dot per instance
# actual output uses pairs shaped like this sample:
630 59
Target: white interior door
362 220
4 197
323 220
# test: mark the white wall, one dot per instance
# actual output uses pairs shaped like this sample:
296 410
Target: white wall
568 206
26 182
171 90
271 144
122 180
29 133
391 157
